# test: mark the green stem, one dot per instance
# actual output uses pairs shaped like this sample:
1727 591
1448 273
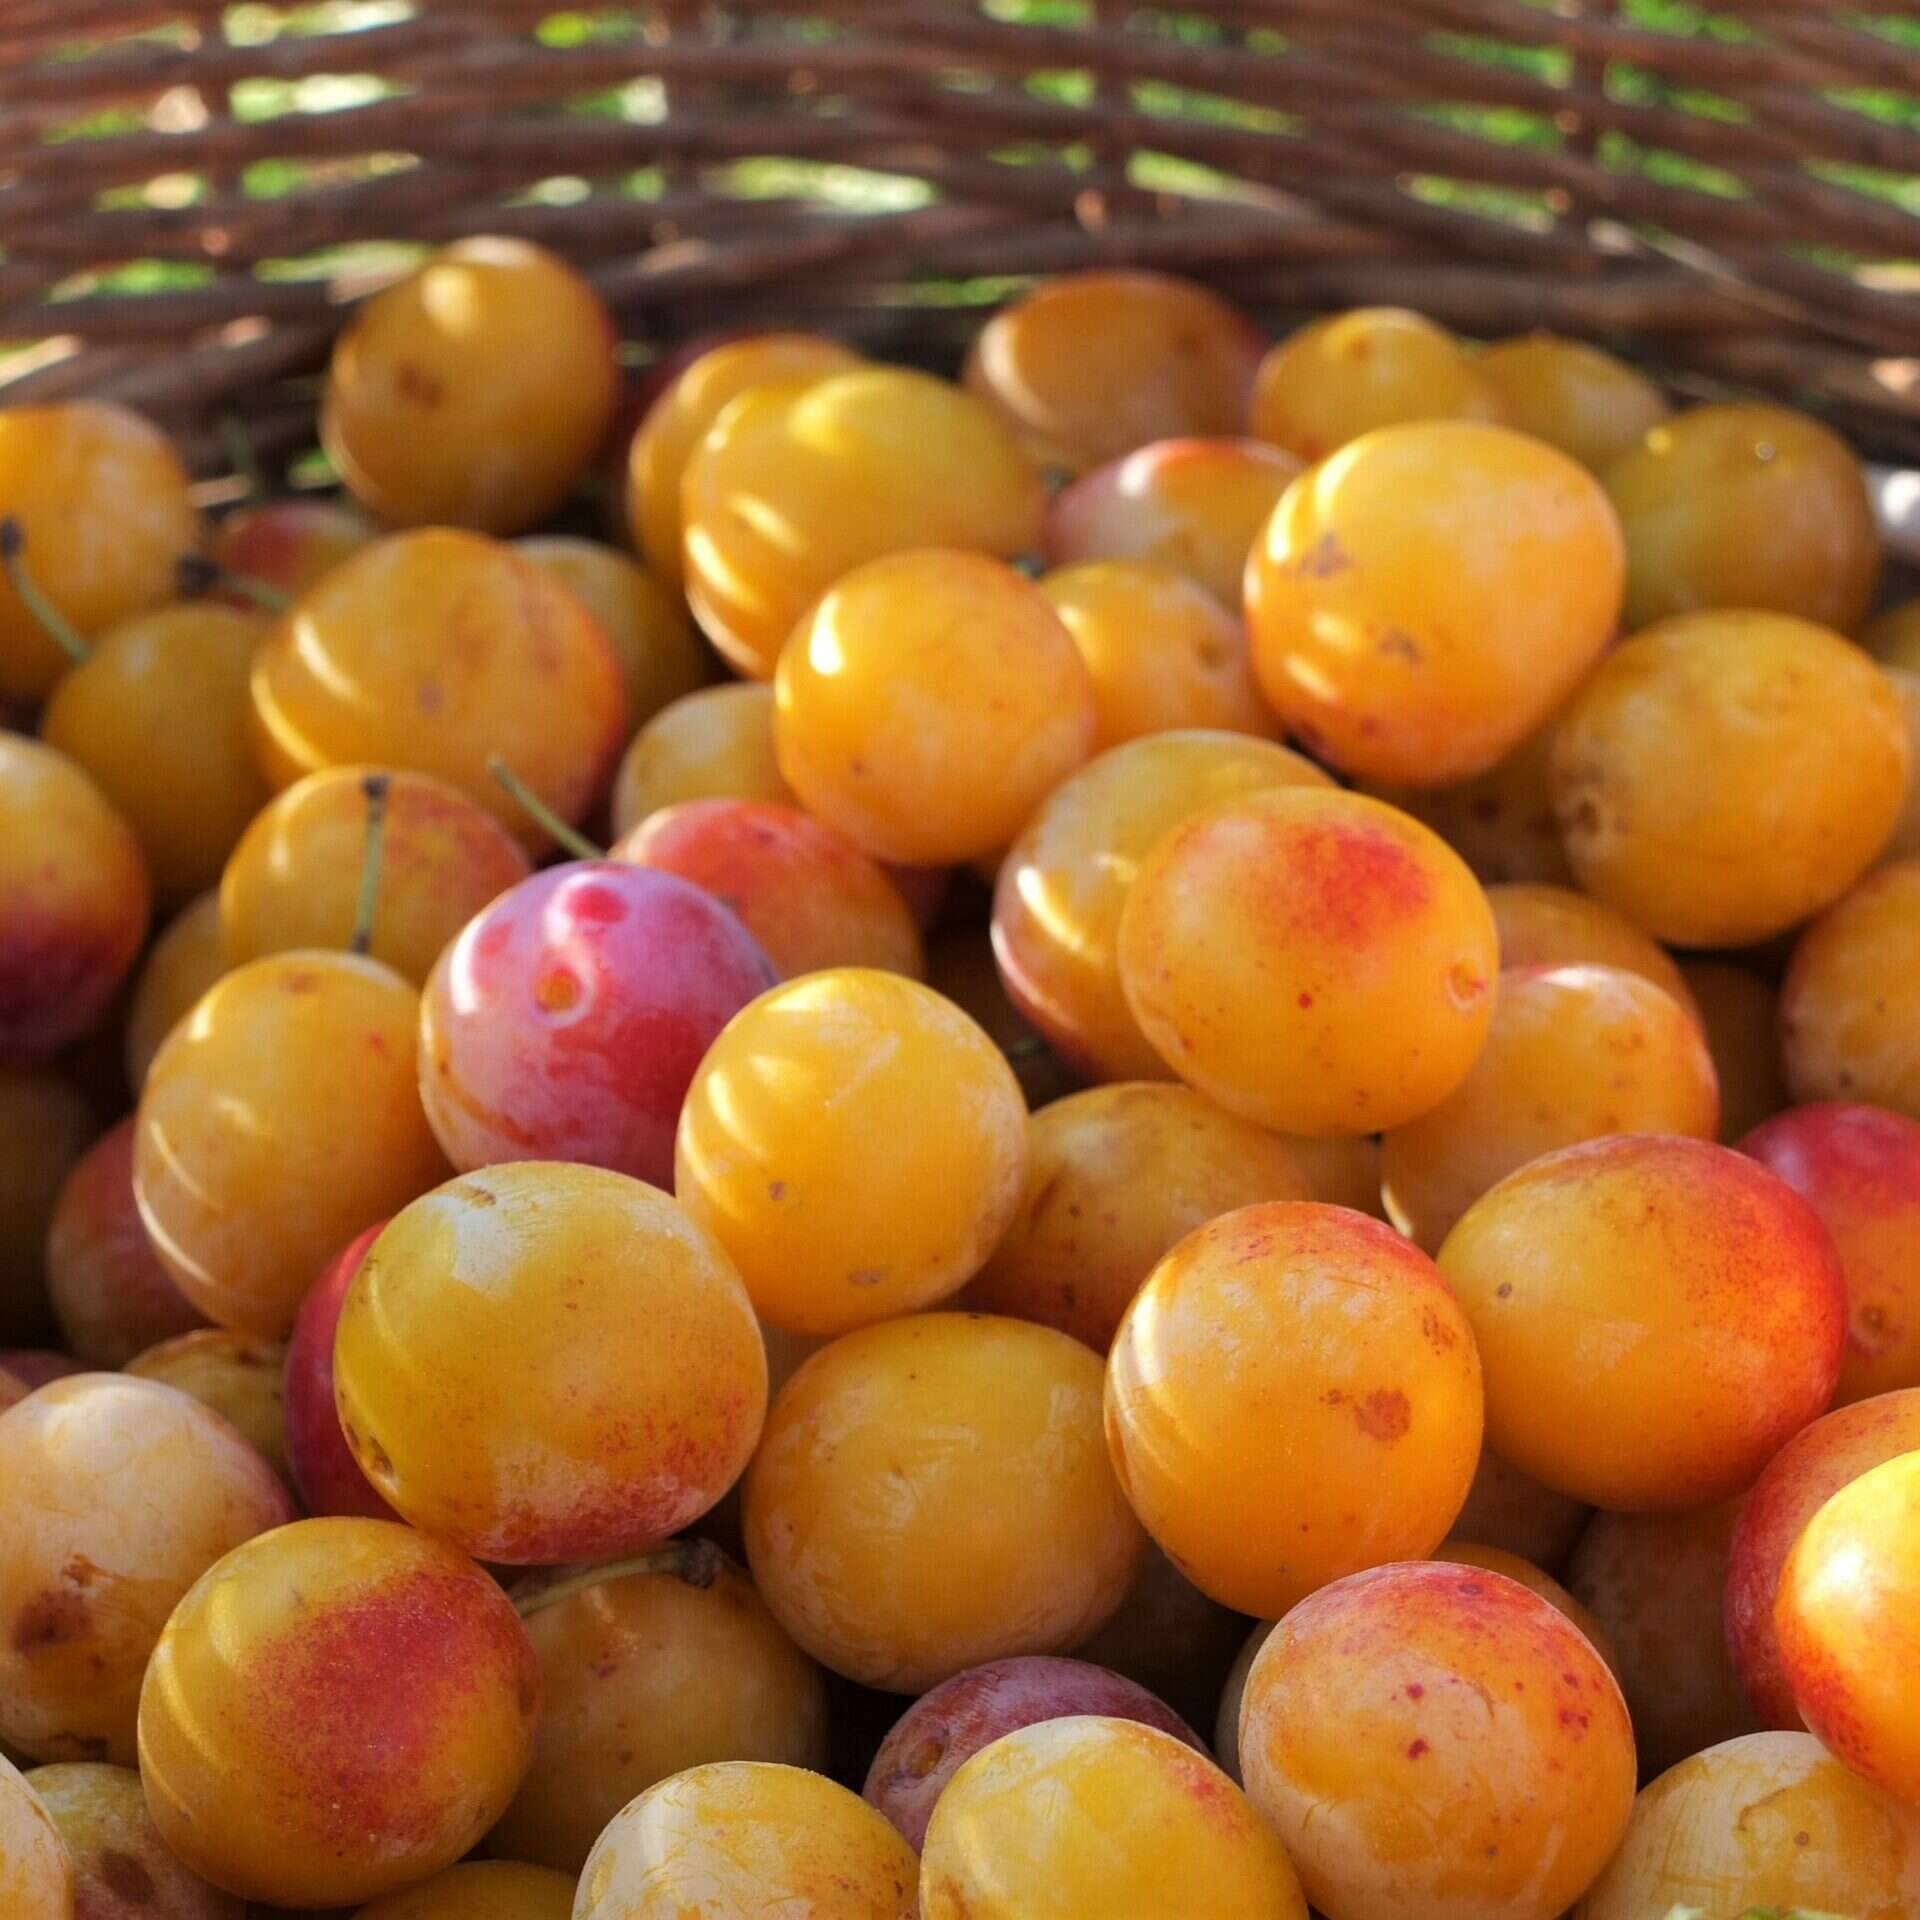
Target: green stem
198 573
542 815
269 599
697 1562
55 624
374 786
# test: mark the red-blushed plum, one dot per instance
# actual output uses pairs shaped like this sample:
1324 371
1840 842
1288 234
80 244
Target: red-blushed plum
324 1470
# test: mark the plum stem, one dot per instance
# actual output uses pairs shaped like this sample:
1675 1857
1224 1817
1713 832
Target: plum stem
374 786
697 1562
51 621
198 573
542 815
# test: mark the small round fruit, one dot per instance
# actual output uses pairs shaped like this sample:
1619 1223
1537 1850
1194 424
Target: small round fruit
1465 1553
122 1871
1089 366
183 962
1745 506
644 1675
481 1890
1740 1017
294 879
475 392
566 1021
798 484
45 1124
1723 776
853 1498
1904 842
946 1727
74 900
1061 888
928 704
1241 1350
1573 396
157 715
36 1871
1349 373
1510 1509
1435 1739
1193 505
685 413
235 1374
1657 1317
102 501
443 651
1767 1822
743 1838
1115 1176
1548 926
714 744
1850 1004
324 1471
1846 1619
279 1118
1573 1053
1800 1479
638 1382
288 544
1654 1581
1314 960
856 1144
1425 600
120 1494
808 895
258 1710
1095 1815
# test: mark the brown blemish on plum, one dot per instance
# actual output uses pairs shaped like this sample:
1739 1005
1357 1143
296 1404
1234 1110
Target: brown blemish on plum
126 1879
1383 1415
1416 1749
557 990
51 1619
418 385
1321 561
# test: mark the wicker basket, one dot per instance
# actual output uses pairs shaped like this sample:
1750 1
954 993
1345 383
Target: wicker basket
194 192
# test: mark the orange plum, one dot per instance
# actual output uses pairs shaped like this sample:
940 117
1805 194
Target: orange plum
1552 926
45 1125
186 958
716 744
1573 396
1466 1553
1740 1016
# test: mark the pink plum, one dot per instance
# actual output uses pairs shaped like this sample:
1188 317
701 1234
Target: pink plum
287 544
324 1469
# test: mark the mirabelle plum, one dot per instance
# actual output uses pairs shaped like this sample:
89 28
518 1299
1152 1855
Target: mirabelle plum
1860 1167
475 392
852 1498
946 1727
1350 373
645 1675
1057 903
1850 1004
1312 959
1115 1176
322 1465
1654 1581
961 966
1466 1553
1846 1619
1812 1467
1510 1509
45 1125
660 655
1268 1450
1434 1739
36 1871
1894 636
294 879
1096 1815
288 544
1571 395
481 1890
183 962
1904 842
256 1713
796 485
808 895
74 899
1772 1822
121 1869
235 1374
102 502
1573 1053
1656 1316
1745 506
928 704
1089 366
684 414
1424 600
748 1837
120 1494
1161 651
157 714
1548 926
1741 1020
567 1020
441 651
638 1385
716 744
277 1119
1724 775
1195 506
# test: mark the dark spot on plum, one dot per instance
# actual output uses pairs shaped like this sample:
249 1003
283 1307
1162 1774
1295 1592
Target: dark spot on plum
51 1619
1384 1414
1416 1749
418 385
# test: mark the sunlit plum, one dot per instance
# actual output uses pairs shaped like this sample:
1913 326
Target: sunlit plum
1552 926
1576 397
716 744
183 962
